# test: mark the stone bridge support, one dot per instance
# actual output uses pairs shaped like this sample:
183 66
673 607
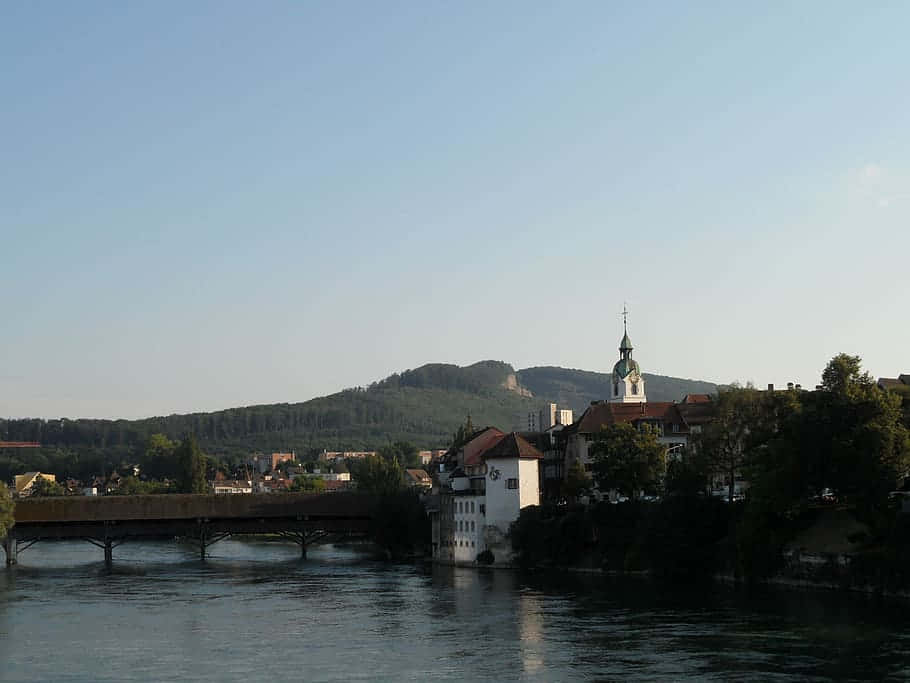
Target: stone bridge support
11 548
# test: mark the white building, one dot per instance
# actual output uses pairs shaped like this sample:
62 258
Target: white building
228 487
484 486
547 417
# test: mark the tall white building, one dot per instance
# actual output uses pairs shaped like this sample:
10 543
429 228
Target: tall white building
482 489
547 417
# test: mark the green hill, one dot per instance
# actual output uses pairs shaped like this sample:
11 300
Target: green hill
423 406
576 389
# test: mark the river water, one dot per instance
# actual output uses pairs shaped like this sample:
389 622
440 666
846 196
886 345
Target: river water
254 611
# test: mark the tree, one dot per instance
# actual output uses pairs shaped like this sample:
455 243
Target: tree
158 458
577 482
842 374
627 459
7 507
687 476
378 476
308 484
852 434
460 437
404 452
190 467
45 488
722 443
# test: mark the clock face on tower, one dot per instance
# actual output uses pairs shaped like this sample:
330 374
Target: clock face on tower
494 474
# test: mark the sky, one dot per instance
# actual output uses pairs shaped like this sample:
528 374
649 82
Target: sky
214 204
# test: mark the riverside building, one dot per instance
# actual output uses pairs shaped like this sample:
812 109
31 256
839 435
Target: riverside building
482 486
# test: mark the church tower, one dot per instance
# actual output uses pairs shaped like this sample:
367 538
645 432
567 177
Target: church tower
628 384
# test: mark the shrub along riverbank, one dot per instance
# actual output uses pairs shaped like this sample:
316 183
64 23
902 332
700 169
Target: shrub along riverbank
697 538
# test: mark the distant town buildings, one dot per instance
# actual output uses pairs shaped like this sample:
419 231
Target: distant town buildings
24 483
266 463
427 456
344 455
548 416
899 383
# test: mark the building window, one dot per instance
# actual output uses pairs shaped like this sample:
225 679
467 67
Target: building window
675 427
511 483
616 388
472 506
635 388
483 508
460 508
472 526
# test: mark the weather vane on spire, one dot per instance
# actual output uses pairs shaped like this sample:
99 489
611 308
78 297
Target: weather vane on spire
625 315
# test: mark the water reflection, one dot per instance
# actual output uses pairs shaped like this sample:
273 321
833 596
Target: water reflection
254 610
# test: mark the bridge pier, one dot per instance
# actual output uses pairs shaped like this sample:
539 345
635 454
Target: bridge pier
108 555
11 547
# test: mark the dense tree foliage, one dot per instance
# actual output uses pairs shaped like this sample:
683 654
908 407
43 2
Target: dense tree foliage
45 488
678 536
377 476
576 483
190 467
402 452
6 510
399 523
308 484
627 459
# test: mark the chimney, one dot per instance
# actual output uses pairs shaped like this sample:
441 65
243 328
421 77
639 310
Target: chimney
770 387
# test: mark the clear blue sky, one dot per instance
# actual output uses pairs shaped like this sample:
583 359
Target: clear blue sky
212 204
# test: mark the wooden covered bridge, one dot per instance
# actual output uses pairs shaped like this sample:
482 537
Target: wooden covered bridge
108 521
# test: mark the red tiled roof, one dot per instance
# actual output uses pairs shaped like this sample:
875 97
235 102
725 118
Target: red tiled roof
512 446
418 474
697 398
696 413
483 440
331 485
601 415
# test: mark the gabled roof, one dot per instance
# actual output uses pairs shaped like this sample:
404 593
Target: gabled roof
418 474
697 413
600 415
512 446
696 398
479 443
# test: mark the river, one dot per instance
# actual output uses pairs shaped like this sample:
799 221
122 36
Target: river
253 611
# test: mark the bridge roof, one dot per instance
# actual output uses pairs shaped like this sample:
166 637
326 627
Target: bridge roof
188 506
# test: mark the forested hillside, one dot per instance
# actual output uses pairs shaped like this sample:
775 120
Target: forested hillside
576 389
423 406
